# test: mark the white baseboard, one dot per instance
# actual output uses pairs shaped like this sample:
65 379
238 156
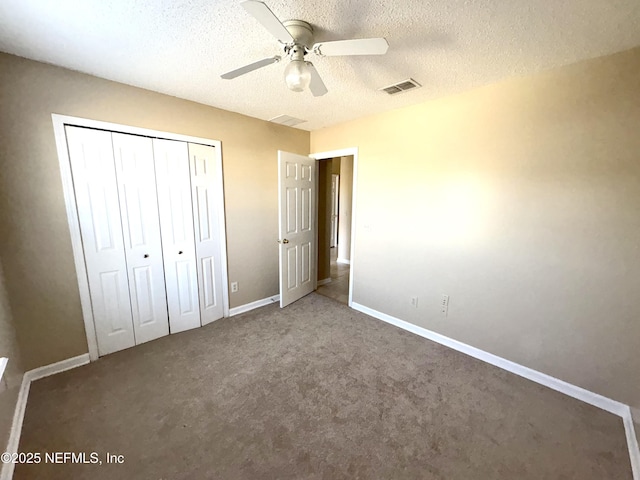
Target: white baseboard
58 367
595 399
574 391
324 281
3 367
253 305
16 427
542 378
632 443
21 403
343 260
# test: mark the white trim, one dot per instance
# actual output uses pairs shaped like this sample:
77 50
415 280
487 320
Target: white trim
74 230
607 404
343 260
16 427
21 403
58 367
222 228
632 443
574 391
253 305
595 399
345 152
59 122
316 174
3 366
118 127
324 281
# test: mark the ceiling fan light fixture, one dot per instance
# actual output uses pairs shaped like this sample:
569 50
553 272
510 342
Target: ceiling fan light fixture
296 38
297 75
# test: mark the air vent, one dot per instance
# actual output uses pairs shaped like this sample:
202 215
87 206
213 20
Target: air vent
402 86
391 90
287 120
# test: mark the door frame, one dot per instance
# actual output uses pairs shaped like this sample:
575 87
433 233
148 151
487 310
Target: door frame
344 152
335 211
59 122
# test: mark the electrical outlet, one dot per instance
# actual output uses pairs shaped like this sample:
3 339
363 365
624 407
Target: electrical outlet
234 287
414 302
444 305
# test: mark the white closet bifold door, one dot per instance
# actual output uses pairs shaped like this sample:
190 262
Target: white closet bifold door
94 179
141 230
205 184
176 224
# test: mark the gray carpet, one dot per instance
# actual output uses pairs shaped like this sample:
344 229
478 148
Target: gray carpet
314 391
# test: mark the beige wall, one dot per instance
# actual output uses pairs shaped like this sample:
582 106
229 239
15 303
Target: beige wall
34 236
344 212
324 219
521 201
12 378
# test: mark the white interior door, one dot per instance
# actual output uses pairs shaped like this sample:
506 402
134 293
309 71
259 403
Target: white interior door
335 193
96 190
296 202
135 174
204 182
176 225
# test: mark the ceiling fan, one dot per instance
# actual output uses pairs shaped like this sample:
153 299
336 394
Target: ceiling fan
296 38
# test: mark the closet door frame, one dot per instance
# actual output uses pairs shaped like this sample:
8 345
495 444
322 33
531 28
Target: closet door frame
59 123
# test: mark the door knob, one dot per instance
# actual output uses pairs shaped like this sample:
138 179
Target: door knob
283 241
180 252
146 255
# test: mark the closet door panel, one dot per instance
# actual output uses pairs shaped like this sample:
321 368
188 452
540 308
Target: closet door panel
176 221
204 182
141 229
92 166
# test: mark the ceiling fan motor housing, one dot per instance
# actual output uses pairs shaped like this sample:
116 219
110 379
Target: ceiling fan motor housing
301 32
296 39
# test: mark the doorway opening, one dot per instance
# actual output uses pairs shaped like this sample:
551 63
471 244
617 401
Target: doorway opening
335 207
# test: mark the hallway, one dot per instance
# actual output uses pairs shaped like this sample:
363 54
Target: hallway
338 288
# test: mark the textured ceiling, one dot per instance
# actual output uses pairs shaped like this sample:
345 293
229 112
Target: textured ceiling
180 47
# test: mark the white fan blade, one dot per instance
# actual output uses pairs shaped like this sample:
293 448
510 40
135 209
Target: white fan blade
250 68
363 46
317 86
265 16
